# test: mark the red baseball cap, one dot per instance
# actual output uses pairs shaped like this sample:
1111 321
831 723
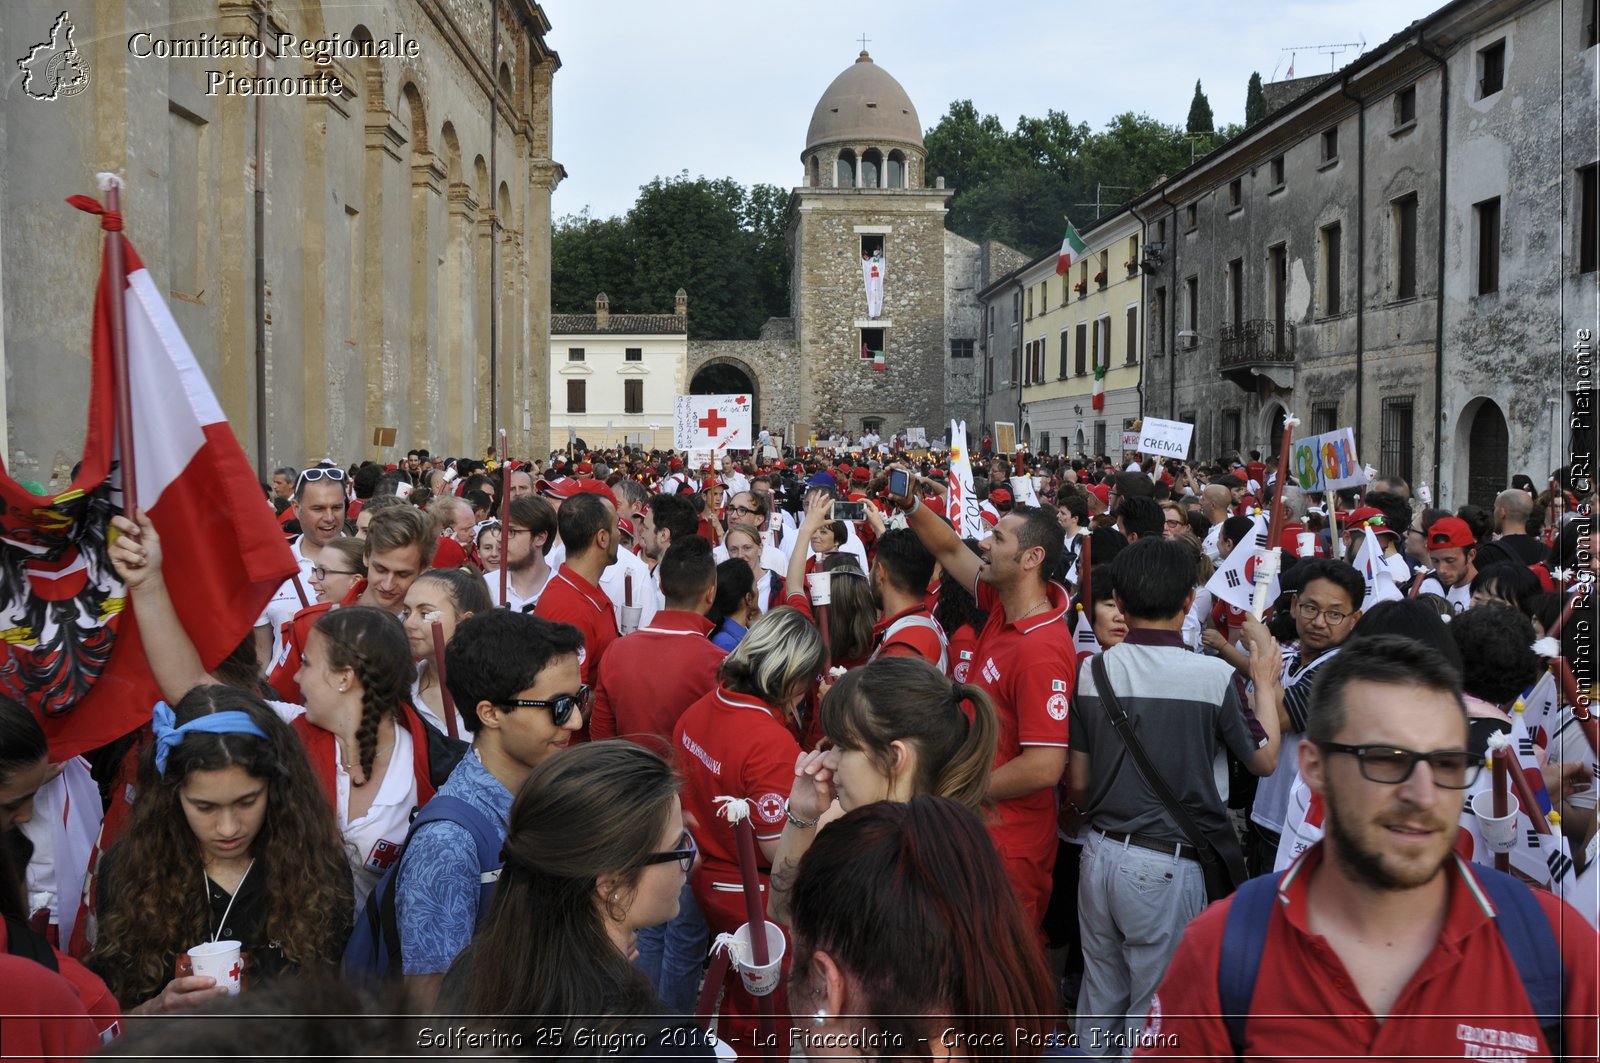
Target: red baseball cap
567 486
625 526
861 475
1362 515
989 518
1448 532
1102 492
1000 496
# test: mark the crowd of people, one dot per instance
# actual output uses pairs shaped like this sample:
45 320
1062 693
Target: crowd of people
1012 794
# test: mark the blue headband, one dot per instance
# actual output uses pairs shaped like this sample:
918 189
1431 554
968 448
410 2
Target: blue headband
232 722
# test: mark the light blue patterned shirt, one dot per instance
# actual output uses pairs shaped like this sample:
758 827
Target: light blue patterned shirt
437 909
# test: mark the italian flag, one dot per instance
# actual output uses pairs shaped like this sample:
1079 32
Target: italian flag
1097 398
1072 249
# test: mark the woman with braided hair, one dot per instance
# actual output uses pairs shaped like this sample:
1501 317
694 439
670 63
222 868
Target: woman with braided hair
357 722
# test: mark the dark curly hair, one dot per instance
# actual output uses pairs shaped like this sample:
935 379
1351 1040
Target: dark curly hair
372 643
155 911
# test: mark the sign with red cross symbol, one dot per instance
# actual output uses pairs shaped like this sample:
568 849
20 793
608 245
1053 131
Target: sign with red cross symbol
712 423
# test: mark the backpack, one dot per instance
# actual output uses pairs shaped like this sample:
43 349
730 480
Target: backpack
1521 921
373 952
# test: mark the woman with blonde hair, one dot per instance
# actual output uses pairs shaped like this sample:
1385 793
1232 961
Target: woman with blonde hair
736 742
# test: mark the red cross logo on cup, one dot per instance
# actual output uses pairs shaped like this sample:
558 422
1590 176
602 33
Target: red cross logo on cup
233 972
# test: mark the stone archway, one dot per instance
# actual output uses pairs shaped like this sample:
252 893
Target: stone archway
728 377
1485 440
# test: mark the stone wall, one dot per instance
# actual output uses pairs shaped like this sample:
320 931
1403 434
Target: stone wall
963 320
839 387
772 363
379 216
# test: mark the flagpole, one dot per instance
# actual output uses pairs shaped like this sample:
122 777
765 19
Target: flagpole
505 520
116 262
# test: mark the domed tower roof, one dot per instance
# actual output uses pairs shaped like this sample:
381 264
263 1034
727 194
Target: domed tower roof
864 104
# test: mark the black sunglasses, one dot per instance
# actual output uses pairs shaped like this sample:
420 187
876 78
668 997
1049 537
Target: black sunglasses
1453 769
560 707
684 854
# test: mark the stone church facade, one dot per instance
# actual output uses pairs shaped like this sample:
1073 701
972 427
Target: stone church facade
865 190
387 208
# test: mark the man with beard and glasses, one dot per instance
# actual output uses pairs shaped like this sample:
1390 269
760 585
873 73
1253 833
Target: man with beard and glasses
533 528
1380 941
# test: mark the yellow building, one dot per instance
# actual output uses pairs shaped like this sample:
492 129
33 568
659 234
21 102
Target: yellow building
1071 326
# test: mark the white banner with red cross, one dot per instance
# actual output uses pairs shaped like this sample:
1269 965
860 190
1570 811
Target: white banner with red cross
712 422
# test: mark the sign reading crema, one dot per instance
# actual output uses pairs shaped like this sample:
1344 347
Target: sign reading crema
1165 439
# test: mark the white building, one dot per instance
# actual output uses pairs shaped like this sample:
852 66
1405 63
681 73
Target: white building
614 378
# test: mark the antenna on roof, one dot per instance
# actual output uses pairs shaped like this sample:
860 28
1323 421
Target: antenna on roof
1332 51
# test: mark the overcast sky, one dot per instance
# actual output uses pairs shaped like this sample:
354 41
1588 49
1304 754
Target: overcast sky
725 89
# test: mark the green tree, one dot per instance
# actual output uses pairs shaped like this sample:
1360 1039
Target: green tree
1255 101
721 243
588 256
968 149
1200 118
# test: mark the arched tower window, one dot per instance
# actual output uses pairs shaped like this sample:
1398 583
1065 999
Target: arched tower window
871 167
844 173
896 170
814 178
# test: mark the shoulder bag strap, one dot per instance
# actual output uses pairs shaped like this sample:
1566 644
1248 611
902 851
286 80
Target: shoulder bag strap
1147 771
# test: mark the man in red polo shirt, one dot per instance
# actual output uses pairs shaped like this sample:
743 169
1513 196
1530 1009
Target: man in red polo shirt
1025 661
587 524
1382 942
648 678
901 572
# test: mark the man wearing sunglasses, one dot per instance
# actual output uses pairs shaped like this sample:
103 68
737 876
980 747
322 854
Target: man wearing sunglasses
514 678
320 503
1380 941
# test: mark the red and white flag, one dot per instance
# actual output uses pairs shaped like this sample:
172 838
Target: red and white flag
72 651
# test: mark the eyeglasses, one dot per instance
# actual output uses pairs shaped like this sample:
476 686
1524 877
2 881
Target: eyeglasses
311 476
320 572
1453 769
1175 523
746 511
560 707
1309 611
428 616
684 854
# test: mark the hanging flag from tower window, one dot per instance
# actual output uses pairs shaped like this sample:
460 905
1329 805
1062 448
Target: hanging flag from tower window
1097 398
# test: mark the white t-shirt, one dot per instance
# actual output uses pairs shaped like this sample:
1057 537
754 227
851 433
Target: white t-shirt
285 600
1459 596
518 602
373 842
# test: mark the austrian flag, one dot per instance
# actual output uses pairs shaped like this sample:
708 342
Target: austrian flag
72 653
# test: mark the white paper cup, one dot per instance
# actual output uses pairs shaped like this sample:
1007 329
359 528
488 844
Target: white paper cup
821 584
1307 544
630 618
219 960
759 981
1499 832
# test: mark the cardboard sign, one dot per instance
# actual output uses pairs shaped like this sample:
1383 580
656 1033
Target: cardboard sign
1327 462
383 437
1005 438
712 422
1165 439
916 437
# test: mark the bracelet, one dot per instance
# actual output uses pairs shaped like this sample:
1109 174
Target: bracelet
803 824
916 503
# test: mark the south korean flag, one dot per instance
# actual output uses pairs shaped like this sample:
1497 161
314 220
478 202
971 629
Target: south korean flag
1234 580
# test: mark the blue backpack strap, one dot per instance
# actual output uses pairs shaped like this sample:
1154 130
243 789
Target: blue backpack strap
1532 943
484 836
1244 939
